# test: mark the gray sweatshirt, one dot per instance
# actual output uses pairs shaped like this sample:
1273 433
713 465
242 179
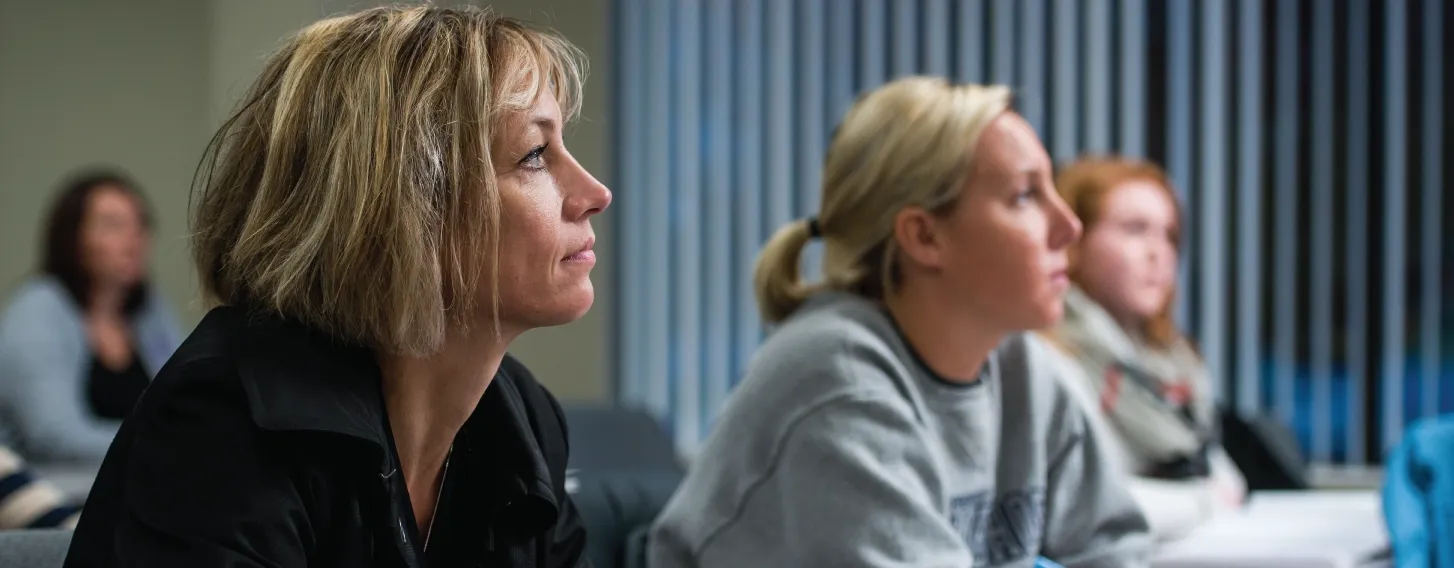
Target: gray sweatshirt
840 448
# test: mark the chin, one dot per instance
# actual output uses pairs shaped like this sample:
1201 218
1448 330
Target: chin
124 279
1148 310
1046 315
569 307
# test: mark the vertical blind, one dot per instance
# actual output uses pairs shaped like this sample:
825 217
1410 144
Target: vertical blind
1304 137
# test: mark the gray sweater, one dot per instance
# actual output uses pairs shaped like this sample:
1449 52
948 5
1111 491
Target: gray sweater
44 365
840 448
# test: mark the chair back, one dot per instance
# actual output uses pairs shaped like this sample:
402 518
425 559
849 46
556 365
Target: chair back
34 548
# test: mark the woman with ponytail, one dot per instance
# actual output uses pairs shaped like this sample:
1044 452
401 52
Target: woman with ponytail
897 415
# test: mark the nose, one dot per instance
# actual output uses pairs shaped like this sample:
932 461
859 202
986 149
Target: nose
1162 254
1065 226
585 195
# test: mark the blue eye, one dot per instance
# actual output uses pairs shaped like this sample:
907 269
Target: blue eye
1027 195
535 159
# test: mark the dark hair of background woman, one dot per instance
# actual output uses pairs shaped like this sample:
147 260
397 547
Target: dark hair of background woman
61 256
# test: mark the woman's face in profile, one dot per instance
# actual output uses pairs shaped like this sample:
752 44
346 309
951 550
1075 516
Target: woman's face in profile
114 239
1127 261
547 201
1010 231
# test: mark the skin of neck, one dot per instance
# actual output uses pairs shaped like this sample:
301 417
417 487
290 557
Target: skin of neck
954 345
429 398
106 300
1132 323
1134 326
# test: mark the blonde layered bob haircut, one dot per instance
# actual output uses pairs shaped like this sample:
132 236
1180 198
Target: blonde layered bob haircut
909 143
353 191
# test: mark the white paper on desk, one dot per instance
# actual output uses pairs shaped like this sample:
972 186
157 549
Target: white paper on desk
1313 529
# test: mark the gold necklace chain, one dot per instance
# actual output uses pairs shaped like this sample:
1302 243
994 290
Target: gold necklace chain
439 493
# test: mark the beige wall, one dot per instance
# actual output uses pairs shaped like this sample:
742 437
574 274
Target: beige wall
143 84
87 82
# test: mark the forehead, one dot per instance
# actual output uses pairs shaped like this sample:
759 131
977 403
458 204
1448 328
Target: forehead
541 114
109 197
1139 197
1009 146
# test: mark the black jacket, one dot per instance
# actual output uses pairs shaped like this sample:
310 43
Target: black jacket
263 444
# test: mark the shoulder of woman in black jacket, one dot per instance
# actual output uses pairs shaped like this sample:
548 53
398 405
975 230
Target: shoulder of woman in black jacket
264 445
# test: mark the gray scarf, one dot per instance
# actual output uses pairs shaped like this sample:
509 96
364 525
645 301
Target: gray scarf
1158 399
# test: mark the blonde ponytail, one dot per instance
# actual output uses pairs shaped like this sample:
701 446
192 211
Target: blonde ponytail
907 143
777 279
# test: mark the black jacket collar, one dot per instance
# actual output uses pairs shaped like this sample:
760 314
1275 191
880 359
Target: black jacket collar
298 380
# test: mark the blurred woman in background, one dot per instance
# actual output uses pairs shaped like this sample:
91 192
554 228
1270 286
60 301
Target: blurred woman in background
898 416
1141 379
81 341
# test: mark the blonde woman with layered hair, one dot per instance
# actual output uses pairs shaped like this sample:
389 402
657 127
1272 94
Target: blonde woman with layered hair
389 207
1142 382
897 416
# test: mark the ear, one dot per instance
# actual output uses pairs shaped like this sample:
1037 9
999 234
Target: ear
917 234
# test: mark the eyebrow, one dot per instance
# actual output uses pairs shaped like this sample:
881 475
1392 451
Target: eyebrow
545 123
1028 171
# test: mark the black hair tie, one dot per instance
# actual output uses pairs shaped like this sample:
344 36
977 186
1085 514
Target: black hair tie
814 230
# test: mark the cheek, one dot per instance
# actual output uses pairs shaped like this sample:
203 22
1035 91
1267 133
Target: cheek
527 214
1025 248
1170 259
1008 259
1106 265
525 249
1123 281
529 243
96 248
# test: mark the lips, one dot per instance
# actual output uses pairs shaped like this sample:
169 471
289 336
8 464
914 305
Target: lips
1060 275
585 253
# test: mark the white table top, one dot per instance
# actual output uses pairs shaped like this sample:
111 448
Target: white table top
1312 529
